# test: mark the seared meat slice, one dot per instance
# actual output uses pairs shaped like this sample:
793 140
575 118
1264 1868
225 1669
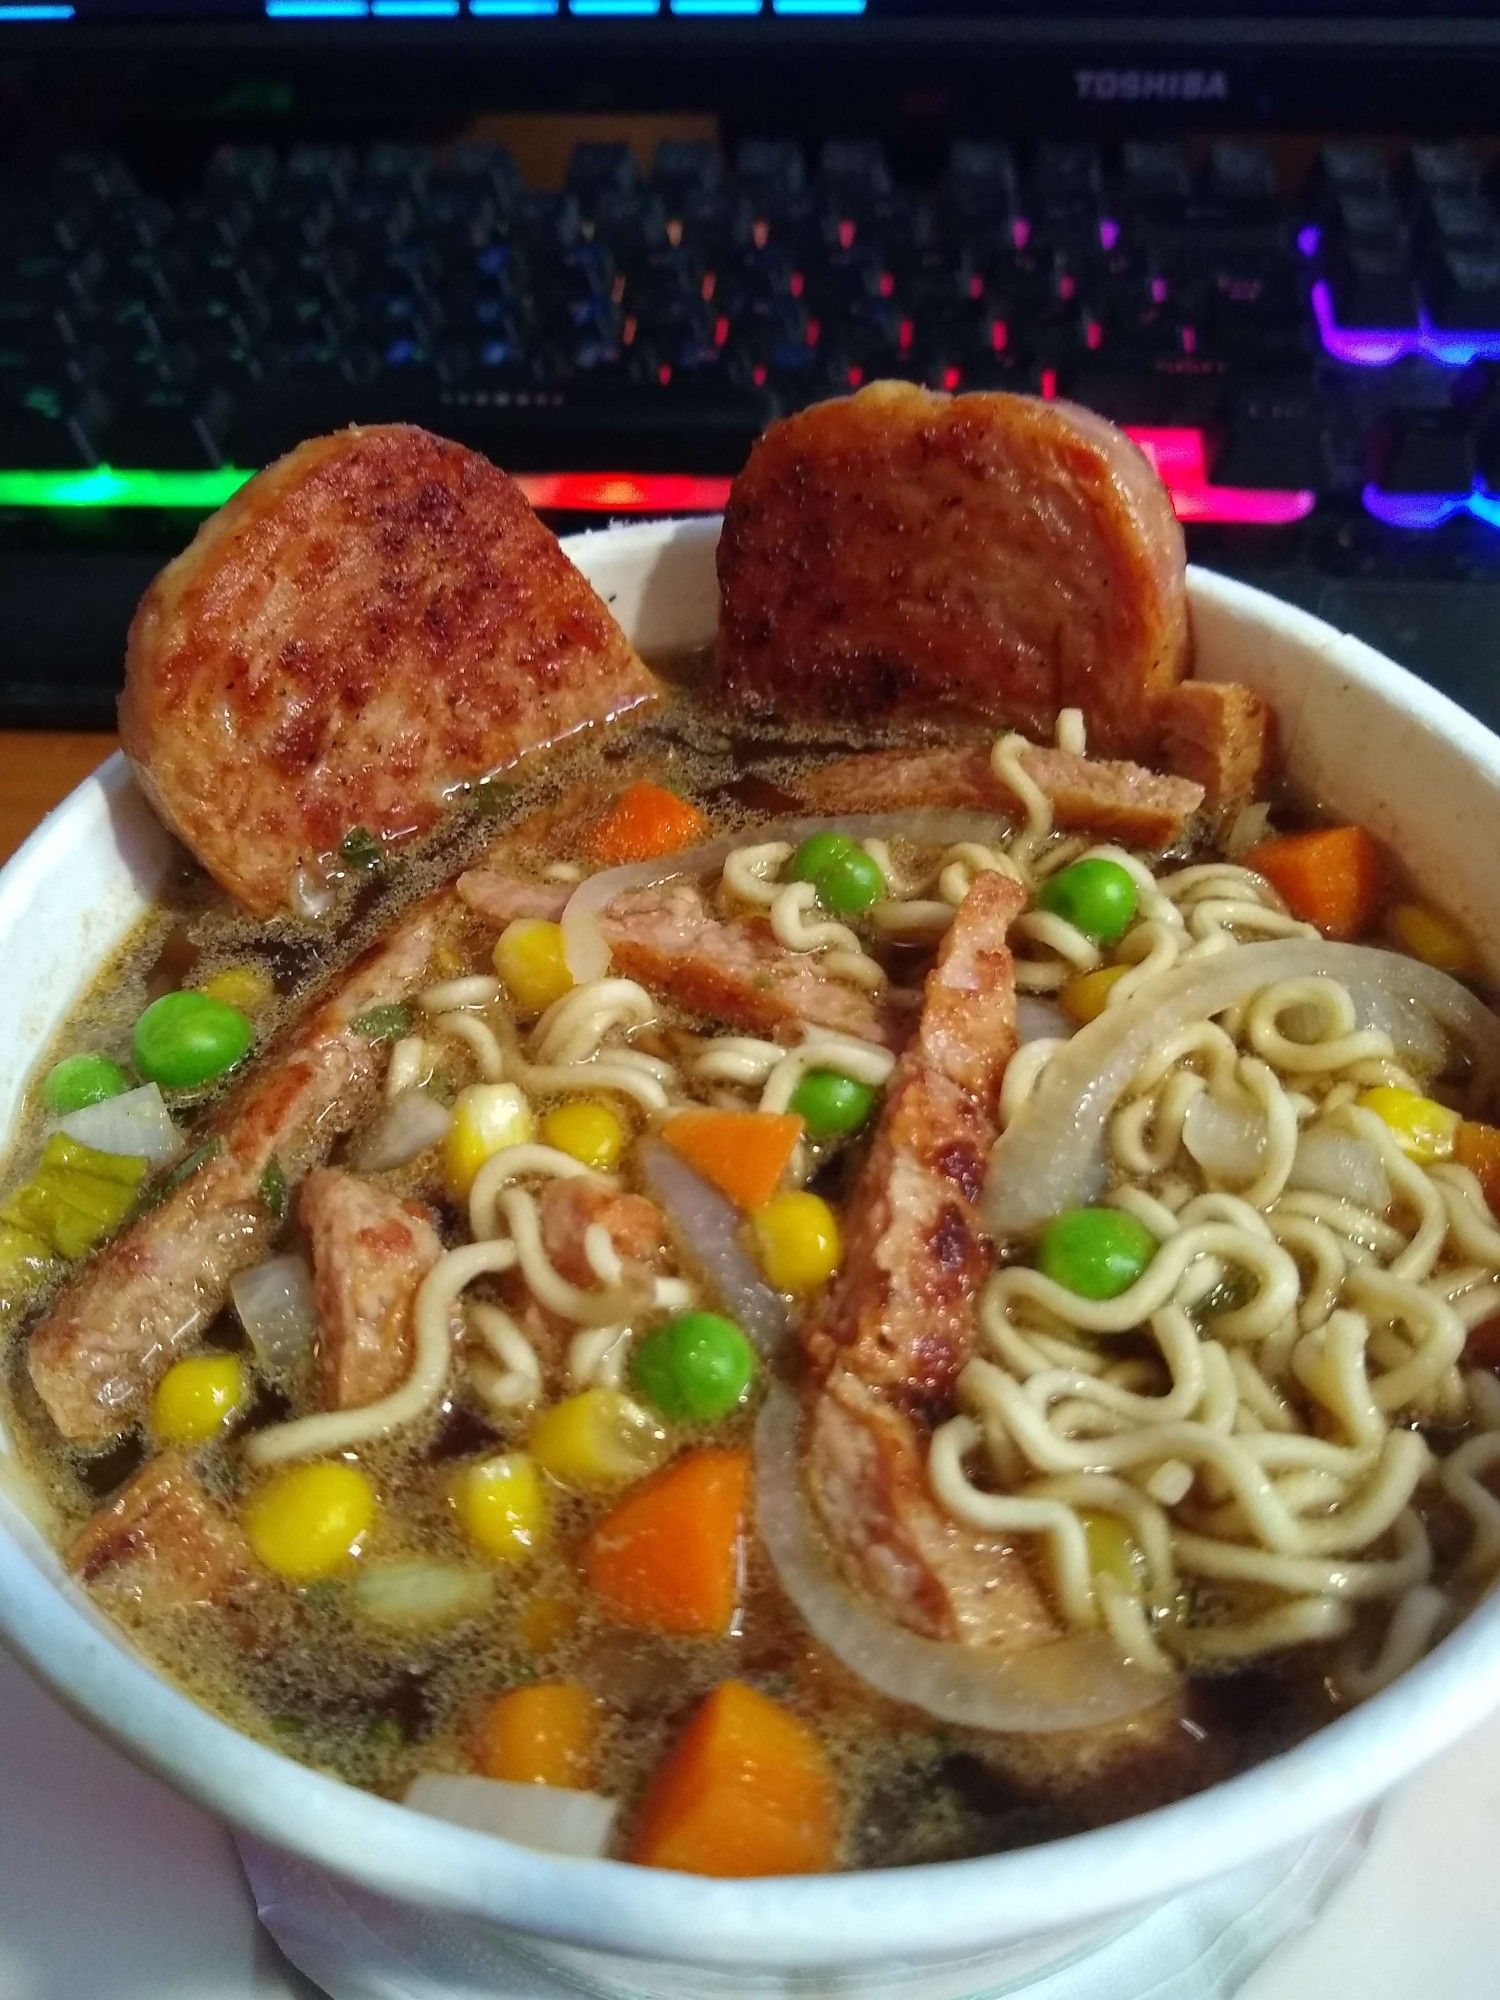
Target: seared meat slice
370 1252
568 1208
375 619
1222 736
724 968
990 556
116 1327
163 1541
1117 801
900 1314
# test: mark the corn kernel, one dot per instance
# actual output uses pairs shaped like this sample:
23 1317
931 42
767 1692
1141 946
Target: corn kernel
1430 936
1084 999
1113 1550
598 1438
532 964
308 1521
586 1130
244 986
198 1398
487 1118
546 1622
797 1236
502 1506
1424 1129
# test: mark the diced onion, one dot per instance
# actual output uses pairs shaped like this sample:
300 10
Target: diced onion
584 944
311 893
552 1817
1072 1683
406 1128
1051 1155
137 1123
1039 1020
1225 1139
419 1594
706 1228
275 1303
1339 1163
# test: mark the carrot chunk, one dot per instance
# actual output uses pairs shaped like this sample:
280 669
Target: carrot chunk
1331 877
745 1790
743 1153
643 821
541 1735
670 1554
1477 1147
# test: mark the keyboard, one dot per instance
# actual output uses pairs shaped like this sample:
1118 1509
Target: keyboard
1313 365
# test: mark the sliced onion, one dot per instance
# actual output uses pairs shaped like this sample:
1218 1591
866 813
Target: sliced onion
418 1594
1338 1163
551 1817
1225 1139
706 1227
136 1123
1249 828
275 1303
406 1128
1073 1683
1039 1020
311 893
584 944
1051 1155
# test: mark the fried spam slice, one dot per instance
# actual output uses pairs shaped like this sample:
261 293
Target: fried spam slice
163 1541
899 552
370 1252
374 620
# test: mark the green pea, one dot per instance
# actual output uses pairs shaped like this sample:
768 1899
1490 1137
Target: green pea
831 1104
816 852
1096 1252
80 1080
184 1039
1097 897
850 883
694 1367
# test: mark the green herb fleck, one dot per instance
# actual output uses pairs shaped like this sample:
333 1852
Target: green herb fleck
273 1189
360 848
440 1086
386 1023
491 797
183 1171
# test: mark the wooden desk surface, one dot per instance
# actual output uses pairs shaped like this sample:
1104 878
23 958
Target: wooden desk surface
37 768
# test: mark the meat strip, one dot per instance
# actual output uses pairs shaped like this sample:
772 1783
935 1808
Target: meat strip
374 620
1223 737
370 1252
990 556
1118 801
569 1208
723 968
889 1337
164 1541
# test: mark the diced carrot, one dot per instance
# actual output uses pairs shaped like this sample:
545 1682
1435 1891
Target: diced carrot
1477 1147
745 1790
744 1153
670 1554
643 821
540 1735
1331 877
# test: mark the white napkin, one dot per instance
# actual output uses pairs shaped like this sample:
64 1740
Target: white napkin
1202 1945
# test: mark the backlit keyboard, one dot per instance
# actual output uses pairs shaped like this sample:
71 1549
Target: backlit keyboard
1314 368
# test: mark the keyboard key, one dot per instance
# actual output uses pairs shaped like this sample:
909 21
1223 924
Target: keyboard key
1273 438
1440 169
1371 283
682 167
1345 165
597 169
51 429
1157 176
171 428
981 178
1427 451
771 167
854 170
1461 287
1242 176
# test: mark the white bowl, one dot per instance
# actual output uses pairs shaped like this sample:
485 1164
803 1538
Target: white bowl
1361 737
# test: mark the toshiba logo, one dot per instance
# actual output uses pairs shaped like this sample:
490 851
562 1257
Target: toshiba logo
1151 86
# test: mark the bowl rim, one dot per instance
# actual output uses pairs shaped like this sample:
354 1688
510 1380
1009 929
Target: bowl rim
929 1911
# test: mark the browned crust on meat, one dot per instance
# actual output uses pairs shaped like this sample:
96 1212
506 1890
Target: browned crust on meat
721 968
370 1252
1117 801
1222 736
163 1541
567 1208
901 1312
986 555
373 620
865 1465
